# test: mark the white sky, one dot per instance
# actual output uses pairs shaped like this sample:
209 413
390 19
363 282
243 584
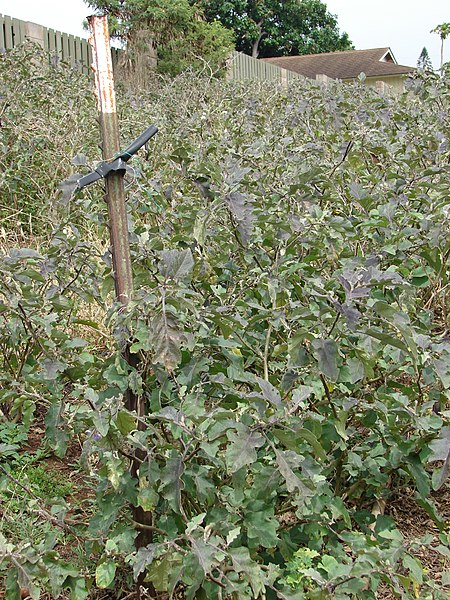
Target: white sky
404 25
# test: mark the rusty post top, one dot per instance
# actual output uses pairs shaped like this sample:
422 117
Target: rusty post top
102 63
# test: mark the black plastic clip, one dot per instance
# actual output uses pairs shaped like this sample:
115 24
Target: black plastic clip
119 163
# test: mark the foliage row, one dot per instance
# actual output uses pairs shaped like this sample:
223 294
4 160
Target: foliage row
290 253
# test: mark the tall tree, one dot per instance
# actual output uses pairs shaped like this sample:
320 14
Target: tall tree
424 61
278 27
174 31
444 31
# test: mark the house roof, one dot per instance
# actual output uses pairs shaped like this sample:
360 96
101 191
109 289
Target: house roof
375 62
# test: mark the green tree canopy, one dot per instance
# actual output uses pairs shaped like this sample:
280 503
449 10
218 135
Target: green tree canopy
174 29
278 27
424 61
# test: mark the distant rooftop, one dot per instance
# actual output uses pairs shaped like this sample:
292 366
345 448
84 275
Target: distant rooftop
376 62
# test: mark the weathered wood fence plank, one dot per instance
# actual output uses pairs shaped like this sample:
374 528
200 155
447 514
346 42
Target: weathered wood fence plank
245 67
61 46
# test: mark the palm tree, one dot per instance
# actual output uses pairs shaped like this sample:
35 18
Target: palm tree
443 30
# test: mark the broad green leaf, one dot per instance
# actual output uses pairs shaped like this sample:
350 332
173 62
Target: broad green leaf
167 341
176 264
241 208
440 451
164 572
270 393
125 422
242 449
390 313
440 447
53 368
262 527
32 274
388 340
60 303
147 498
292 439
194 523
115 378
22 253
419 475
250 569
75 343
101 421
352 314
172 482
107 286
356 368
144 557
115 469
388 534
442 366
77 587
12 588
8 450
299 395
419 277
56 433
199 231
430 508
233 535
414 567
105 573
360 194
340 424
293 482
205 553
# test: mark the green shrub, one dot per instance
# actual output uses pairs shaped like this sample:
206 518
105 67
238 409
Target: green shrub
47 116
290 256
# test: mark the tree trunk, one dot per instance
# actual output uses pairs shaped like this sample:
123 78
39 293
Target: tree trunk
255 45
138 61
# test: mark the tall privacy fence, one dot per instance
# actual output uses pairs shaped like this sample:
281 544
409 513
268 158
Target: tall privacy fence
71 49
242 66
77 52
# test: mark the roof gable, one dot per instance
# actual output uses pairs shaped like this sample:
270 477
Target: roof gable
375 62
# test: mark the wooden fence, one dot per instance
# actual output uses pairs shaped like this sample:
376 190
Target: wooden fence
70 49
77 52
244 67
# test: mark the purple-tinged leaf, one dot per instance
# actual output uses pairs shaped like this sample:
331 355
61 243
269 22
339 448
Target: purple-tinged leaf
327 352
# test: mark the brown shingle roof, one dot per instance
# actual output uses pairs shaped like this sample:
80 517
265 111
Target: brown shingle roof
349 64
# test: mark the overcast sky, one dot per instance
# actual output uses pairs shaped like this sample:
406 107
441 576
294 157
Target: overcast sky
403 25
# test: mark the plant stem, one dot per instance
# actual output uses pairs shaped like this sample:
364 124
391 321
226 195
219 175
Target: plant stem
266 352
328 395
